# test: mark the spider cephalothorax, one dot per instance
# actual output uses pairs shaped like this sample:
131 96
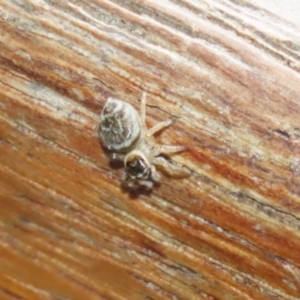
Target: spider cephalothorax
137 166
123 131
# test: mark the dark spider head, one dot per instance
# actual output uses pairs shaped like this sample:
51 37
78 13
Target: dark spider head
137 166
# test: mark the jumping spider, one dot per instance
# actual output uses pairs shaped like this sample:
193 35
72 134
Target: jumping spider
123 131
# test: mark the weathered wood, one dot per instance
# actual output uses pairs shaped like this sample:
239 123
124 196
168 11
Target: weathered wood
229 71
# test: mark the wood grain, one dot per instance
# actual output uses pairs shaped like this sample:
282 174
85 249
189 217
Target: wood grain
229 71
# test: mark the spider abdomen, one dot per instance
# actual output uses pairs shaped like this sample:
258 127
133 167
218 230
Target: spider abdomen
120 125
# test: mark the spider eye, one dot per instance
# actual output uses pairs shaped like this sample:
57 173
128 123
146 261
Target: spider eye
137 167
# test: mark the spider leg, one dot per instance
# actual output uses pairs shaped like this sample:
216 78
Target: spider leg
171 168
154 174
117 156
146 183
170 149
159 126
135 184
143 111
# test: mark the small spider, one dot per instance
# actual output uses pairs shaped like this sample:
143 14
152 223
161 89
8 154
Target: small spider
123 131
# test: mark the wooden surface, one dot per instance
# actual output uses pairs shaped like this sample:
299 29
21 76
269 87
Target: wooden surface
229 70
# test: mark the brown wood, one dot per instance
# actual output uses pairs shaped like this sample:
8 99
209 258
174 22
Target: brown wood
229 70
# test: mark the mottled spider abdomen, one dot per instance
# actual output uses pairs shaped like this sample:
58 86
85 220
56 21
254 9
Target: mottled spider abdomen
120 125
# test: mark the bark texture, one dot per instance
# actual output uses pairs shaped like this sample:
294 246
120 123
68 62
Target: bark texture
229 71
